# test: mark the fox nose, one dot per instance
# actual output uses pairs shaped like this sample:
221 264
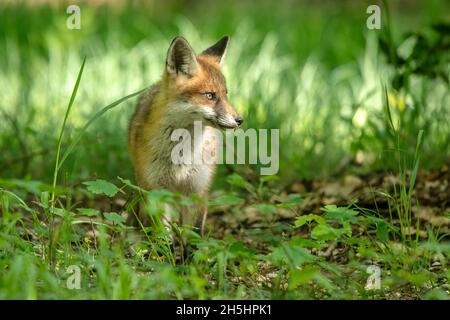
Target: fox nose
239 120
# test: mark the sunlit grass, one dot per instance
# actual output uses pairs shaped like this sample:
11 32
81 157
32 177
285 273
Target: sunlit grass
313 105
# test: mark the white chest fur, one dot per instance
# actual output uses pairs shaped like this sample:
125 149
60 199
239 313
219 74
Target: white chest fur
193 176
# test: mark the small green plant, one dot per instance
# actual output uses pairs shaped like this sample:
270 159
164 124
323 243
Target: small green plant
402 200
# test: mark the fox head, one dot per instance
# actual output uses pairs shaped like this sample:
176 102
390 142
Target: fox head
197 86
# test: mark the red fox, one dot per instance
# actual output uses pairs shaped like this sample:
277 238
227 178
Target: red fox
192 89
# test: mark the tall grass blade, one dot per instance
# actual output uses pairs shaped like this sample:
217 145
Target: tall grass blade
58 149
388 110
92 120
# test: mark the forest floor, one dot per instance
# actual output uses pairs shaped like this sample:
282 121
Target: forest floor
322 231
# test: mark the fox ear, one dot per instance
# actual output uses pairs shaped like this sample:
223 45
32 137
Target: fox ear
181 58
218 50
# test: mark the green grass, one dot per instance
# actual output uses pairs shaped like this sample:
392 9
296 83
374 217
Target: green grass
313 71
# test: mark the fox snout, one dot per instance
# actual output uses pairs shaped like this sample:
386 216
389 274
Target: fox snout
227 121
225 117
239 120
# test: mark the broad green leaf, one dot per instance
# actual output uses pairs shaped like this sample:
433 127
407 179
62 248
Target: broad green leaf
325 232
269 178
161 195
324 281
88 212
339 213
238 249
433 246
185 201
114 217
289 254
437 294
382 231
102 187
309 273
301 277
131 185
238 181
291 201
59 212
227 199
377 220
31 186
300 221
266 209
305 243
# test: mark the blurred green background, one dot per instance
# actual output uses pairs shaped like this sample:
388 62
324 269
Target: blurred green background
311 69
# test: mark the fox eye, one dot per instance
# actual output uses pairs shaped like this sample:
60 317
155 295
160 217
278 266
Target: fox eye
210 95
